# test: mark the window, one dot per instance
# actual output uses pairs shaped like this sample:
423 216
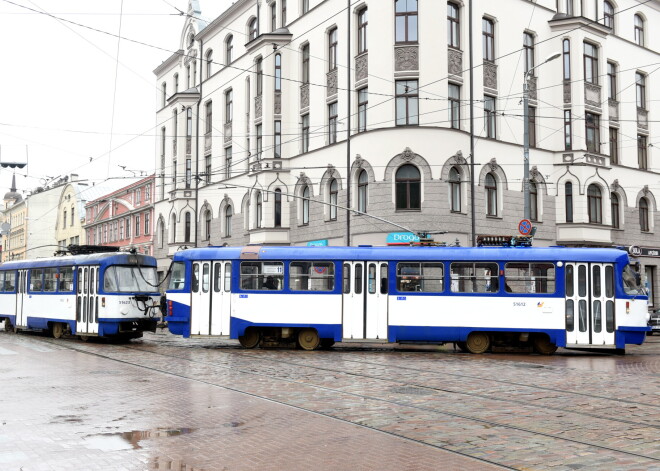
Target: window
407 110
614 205
533 202
147 225
187 76
568 5
531 117
408 188
363 102
611 81
209 63
311 276
188 173
363 186
187 228
305 205
260 76
259 211
488 39
277 140
454 98
164 98
229 106
640 88
305 64
529 277
614 146
639 30
332 123
172 228
332 49
228 214
362 31
278 72
161 234
278 208
420 277
568 131
642 156
259 141
489 117
305 132
528 48
334 188
455 190
490 184
128 228
189 130
594 204
207 225
644 215
568 195
283 13
305 6
453 26
608 15
590 63
406 21
36 280
176 83
480 277
592 132
229 50
273 16
65 280
228 161
64 219
252 29
137 225
262 275
50 279
207 167
566 54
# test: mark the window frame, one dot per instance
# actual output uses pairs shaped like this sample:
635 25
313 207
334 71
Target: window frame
410 32
409 99
488 39
490 185
363 22
453 25
363 191
408 185
594 204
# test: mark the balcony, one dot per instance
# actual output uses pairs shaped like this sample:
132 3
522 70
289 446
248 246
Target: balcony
584 234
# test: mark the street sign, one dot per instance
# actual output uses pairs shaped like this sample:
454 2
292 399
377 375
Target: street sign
525 227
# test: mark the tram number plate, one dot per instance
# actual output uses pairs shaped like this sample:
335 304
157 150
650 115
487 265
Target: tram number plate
242 295
400 298
519 304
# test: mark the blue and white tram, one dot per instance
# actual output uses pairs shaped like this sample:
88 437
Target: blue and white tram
92 295
476 297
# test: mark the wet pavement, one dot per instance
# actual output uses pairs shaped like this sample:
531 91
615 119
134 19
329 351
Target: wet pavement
163 402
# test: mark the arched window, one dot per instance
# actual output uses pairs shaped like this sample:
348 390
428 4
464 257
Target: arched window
568 194
278 72
187 228
614 200
595 204
209 62
639 30
228 214
258 67
278 208
229 49
161 233
305 205
73 212
363 186
491 194
408 188
455 189
207 224
252 29
172 228
644 214
334 188
259 209
164 99
176 83
533 202
608 15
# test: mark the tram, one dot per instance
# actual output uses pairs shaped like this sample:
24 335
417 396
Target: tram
479 298
110 295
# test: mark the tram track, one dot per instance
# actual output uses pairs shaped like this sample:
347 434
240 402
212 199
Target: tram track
395 403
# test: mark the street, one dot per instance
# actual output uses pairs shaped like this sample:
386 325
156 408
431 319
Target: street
162 402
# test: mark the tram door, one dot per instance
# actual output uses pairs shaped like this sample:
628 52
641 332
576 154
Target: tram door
365 286
210 304
589 304
21 293
87 301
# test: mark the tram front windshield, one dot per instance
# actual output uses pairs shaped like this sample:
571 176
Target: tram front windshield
122 279
632 282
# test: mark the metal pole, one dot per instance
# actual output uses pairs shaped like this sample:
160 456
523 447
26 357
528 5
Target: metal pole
472 202
348 124
526 147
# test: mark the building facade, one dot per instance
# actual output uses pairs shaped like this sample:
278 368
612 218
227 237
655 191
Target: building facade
299 121
14 226
123 218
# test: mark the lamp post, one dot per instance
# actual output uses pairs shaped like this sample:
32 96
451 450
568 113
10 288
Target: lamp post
527 213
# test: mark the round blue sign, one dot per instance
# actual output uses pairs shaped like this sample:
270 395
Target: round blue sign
525 227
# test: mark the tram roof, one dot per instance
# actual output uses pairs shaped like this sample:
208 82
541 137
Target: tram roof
103 259
406 253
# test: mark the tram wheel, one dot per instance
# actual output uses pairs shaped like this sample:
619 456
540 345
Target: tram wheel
543 345
9 327
250 339
56 330
84 338
327 343
478 342
308 339
462 346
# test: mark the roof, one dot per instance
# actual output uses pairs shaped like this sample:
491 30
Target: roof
103 259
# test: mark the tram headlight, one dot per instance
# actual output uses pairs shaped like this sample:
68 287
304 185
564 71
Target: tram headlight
627 307
103 301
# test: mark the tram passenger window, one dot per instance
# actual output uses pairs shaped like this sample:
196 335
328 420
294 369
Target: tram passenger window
262 275
195 278
66 279
383 279
2 280
470 277
178 277
50 279
358 278
372 278
582 282
36 280
227 277
598 317
569 281
10 281
206 277
570 315
416 276
609 281
217 277
582 315
347 278
523 277
312 276
595 282
609 316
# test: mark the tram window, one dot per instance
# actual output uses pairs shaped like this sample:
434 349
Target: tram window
2 280
383 279
529 277
50 279
311 276
262 275
632 281
582 315
9 283
609 316
66 279
582 282
36 280
415 276
609 281
468 277
595 281
206 277
358 278
195 278
79 282
177 279
85 285
569 280
347 278
217 277
372 278
570 315
129 279
227 277
598 317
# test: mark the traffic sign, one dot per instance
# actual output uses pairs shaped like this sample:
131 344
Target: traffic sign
525 227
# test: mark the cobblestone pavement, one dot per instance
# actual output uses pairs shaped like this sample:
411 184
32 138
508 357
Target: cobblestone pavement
204 404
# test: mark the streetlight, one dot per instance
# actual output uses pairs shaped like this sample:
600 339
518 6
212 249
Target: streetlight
526 125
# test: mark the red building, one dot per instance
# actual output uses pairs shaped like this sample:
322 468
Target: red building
123 218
